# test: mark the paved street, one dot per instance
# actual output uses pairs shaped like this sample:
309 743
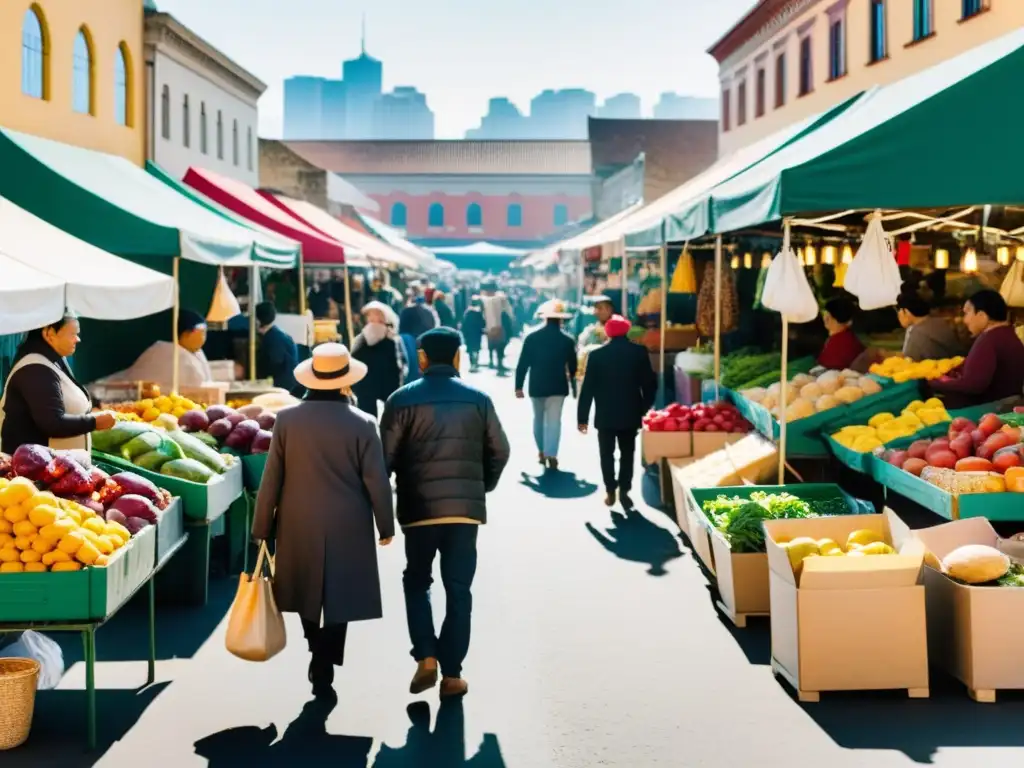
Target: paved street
595 644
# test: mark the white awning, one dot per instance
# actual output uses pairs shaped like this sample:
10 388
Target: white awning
45 271
589 237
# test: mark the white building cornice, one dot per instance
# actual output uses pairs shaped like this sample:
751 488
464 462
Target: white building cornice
767 32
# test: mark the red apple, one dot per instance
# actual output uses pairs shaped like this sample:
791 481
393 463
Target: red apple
712 427
942 458
898 458
990 423
685 425
961 424
978 437
961 445
918 449
1003 461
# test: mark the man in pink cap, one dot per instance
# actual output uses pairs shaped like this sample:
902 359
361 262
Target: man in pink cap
622 386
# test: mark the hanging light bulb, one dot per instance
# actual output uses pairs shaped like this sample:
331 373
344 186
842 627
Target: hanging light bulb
766 260
735 262
1020 253
847 254
970 263
748 261
810 256
941 258
828 254
1003 256
800 256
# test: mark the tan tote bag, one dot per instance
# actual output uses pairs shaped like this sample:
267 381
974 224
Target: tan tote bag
255 627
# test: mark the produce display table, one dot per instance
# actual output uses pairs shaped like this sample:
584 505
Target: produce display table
88 622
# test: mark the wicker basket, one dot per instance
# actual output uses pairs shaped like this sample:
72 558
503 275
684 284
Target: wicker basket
18 679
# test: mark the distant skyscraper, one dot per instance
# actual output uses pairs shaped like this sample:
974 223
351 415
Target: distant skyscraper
334 110
561 114
403 114
623 106
502 121
303 107
364 83
672 106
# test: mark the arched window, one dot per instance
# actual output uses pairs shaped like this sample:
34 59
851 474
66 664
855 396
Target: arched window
435 215
234 142
186 118
35 55
220 135
122 87
248 147
474 215
399 215
203 144
561 215
515 215
165 111
83 97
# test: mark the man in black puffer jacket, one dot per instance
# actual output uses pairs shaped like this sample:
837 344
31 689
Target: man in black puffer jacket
445 444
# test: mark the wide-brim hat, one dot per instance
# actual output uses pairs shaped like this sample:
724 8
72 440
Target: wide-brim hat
389 314
555 309
330 367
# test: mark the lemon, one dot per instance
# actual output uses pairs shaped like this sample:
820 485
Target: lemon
798 549
877 548
862 538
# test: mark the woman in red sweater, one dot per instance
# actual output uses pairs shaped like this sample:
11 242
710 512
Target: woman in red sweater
842 346
994 368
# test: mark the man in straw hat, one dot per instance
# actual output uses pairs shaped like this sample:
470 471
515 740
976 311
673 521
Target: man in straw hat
445 444
621 383
549 356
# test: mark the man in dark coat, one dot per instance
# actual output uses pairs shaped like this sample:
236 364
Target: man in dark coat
473 332
444 442
416 319
549 356
277 355
621 384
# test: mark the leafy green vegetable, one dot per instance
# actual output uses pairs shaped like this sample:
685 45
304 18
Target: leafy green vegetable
831 507
740 519
1013 578
1013 419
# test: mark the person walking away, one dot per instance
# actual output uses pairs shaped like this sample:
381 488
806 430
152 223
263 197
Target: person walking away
379 347
621 385
549 357
447 449
277 355
473 332
415 320
324 487
494 328
445 315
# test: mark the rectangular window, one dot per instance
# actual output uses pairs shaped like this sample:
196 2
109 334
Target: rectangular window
759 96
971 8
780 80
922 19
836 49
806 66
741 103
726 110
879 38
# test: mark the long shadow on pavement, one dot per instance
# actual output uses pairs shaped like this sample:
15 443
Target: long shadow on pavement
306 740
558 485
636 539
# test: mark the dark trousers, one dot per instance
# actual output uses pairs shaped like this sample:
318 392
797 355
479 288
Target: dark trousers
327 644
606 440
456 544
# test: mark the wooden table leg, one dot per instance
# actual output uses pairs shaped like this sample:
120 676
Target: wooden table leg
89 641
151 676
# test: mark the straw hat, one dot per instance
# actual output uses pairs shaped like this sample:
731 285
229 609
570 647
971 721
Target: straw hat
389 314
555 309
330 367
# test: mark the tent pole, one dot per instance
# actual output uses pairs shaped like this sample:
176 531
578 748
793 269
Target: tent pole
348 308
254 276
718 317
625 283
175 315
302 285
784 375
663 265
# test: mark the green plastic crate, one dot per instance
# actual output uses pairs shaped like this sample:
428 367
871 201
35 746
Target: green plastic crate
252 470
90 594
201 501
170 529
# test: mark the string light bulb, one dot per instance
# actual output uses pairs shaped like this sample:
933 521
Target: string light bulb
748 260
1003 256
810 256
970 264
941 258
847 254
828 254
766 260
735 262
800 256
1020 253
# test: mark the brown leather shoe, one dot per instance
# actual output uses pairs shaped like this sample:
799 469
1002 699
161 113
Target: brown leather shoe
425 677
609 499
541 458
453 687
552 462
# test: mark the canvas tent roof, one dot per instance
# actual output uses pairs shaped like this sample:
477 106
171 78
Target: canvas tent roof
393 237
46 271
547 256
928 141
360 248
112 204
480 249
245 201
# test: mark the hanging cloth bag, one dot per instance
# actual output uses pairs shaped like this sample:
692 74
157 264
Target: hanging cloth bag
786 289
1012 289
874 276
684 279
255 626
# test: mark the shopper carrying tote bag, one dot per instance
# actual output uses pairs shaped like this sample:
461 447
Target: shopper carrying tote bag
256 627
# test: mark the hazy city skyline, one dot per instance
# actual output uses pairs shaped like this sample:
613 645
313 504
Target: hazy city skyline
461 58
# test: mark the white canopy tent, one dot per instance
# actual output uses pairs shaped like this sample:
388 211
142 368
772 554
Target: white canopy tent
46 271
549 255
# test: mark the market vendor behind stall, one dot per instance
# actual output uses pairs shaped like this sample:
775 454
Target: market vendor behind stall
994 368
156 364
42 402
842 348
277 355
927 337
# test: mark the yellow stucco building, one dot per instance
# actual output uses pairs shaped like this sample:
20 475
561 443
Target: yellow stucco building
791 59
73 71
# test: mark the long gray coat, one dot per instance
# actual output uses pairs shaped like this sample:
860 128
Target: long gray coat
323 487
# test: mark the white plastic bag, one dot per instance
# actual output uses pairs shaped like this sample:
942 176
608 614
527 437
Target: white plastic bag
874 276
787 291
36 646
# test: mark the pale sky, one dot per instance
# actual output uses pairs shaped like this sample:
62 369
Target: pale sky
461 56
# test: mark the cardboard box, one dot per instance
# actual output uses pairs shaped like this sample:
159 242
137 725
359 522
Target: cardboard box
700 536
665 445
705 443
848 623
974 633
